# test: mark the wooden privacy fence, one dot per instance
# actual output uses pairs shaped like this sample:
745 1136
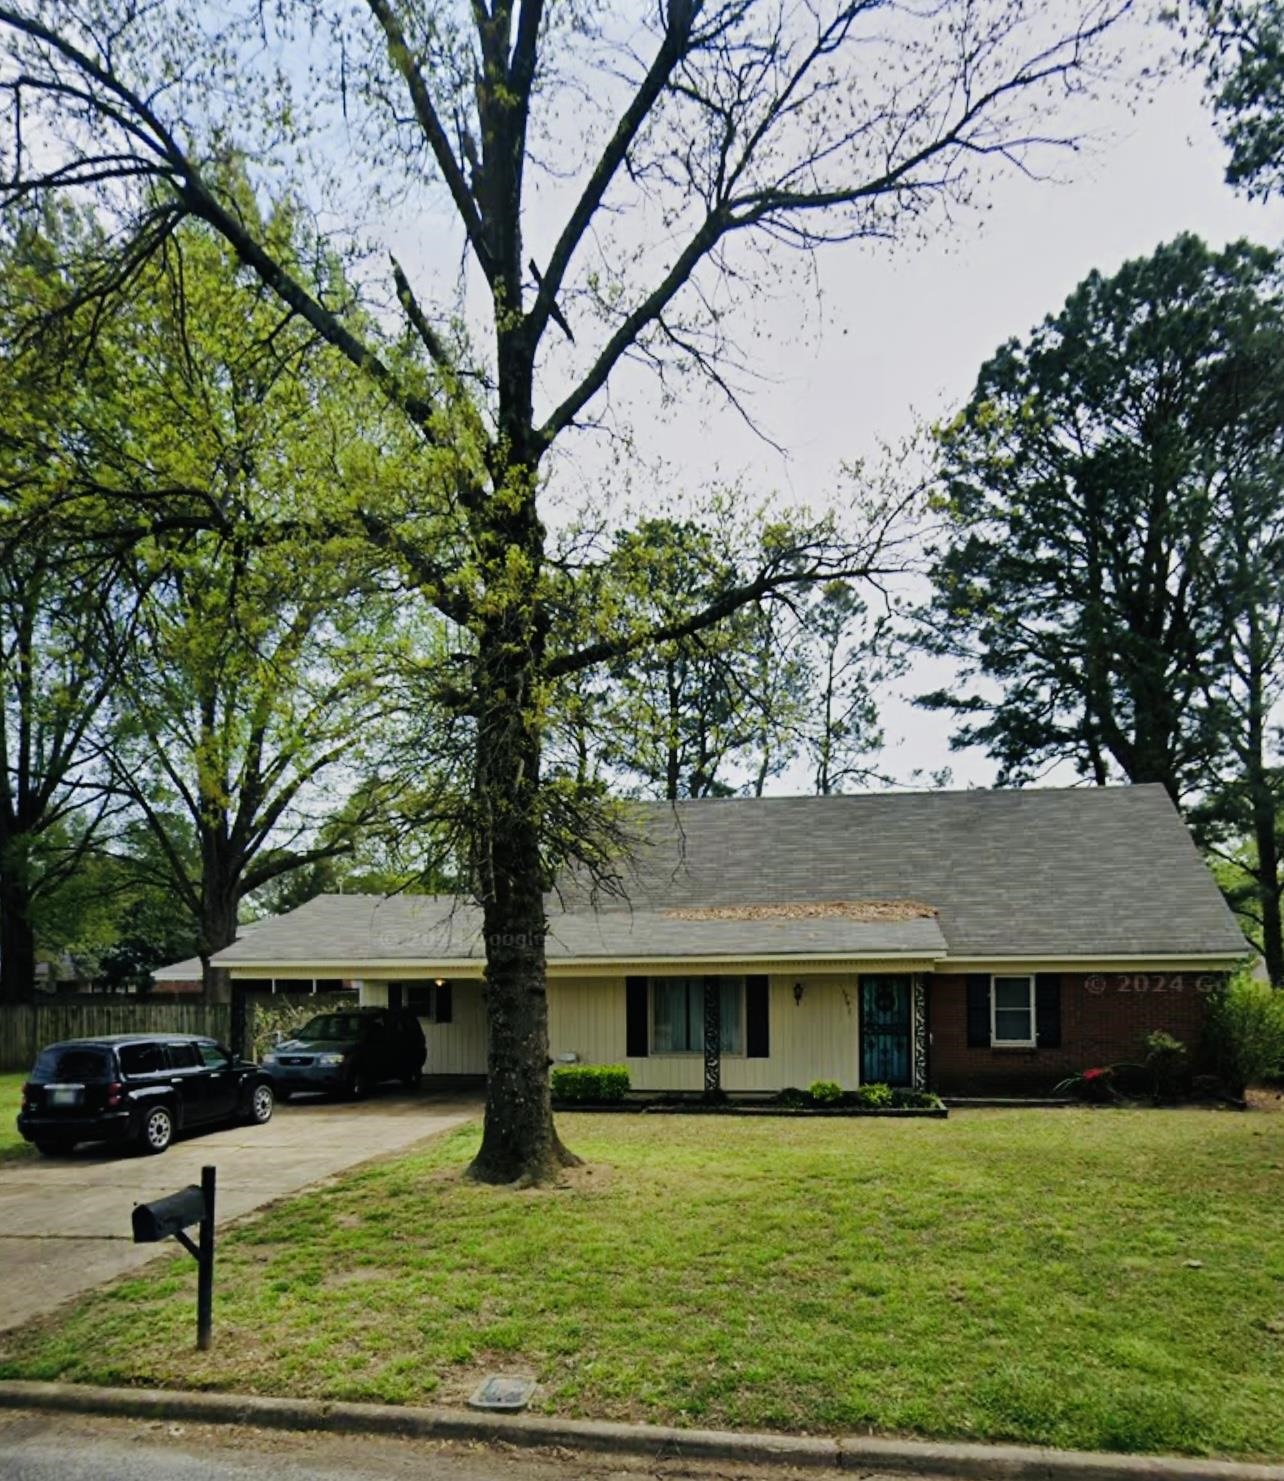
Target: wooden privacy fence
28 1027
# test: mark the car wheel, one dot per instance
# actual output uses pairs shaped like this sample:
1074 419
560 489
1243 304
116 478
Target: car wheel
260 1112
54 1146
158 1130
358 1086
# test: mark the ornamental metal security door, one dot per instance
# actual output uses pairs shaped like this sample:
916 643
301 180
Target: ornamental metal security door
885 1030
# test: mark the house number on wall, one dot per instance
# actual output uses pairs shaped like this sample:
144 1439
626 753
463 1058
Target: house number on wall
1148 982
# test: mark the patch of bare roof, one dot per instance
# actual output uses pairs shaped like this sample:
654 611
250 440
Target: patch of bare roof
858 910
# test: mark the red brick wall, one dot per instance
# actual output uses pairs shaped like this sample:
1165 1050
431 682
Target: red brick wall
1104 1017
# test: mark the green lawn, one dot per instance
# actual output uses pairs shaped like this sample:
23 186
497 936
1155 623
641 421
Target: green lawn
1019 1275
11 1144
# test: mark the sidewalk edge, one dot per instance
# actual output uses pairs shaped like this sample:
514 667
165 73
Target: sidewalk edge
849 1453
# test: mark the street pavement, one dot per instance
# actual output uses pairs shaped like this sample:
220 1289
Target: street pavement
72 1447
65 1222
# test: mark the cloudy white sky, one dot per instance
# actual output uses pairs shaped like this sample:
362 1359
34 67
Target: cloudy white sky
906 334
900 331
905 330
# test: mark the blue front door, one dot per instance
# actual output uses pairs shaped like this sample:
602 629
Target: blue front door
885 1030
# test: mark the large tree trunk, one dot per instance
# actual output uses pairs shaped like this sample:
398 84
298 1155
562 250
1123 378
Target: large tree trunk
1272 924
218 929
519 1140
17 943
1262 801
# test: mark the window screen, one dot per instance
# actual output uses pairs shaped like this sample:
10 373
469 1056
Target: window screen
1013 1010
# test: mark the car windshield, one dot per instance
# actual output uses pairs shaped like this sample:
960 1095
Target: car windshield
77 1064
333 1026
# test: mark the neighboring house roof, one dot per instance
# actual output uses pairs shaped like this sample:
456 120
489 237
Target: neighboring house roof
190 968
1056 874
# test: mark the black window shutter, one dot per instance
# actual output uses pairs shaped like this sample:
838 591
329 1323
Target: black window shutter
757 1019
445 1003
1047 1010
394 995
635 1017
978 1010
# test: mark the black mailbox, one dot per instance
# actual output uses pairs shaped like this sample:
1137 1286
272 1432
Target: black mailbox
171 1218
168 1216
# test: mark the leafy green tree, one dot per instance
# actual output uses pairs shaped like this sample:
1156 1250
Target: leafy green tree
1241 44
852 656
53 796
148 934
55 670
683 717
735 125
723 711
778 690
1114 575
1082 484
249 695
1239 814
76 917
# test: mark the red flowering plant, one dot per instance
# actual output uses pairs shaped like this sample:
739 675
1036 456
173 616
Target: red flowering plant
1096 1084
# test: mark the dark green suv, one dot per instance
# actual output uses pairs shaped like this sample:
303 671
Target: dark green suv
350 1051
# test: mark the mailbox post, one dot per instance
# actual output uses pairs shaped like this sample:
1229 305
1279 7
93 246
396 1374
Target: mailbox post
205 1265
173 1216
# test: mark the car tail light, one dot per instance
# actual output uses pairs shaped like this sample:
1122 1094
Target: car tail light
114 1092
28 1096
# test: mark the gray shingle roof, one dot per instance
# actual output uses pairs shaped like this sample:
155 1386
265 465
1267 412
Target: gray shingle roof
1037 873
371 929
1034 872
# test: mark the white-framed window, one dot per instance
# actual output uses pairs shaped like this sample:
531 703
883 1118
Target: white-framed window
1012 1019
677 1015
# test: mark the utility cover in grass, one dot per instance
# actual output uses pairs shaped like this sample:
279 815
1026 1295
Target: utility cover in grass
500 1392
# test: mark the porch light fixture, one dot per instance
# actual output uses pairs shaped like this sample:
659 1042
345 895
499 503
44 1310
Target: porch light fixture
439 982
798 992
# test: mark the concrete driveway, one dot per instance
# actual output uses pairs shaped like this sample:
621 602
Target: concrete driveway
65 1222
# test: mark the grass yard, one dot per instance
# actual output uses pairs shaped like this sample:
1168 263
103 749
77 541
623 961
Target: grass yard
1022 1275
11 1144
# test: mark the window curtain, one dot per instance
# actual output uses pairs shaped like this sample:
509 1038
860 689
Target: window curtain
678 1015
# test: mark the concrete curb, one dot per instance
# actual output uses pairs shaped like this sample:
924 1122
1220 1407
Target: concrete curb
849 1453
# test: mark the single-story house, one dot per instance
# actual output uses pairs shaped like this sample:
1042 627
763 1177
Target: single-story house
187 978
974 942
179 979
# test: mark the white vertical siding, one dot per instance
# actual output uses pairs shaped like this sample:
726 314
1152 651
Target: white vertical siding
454 1048
459 1047
815 1039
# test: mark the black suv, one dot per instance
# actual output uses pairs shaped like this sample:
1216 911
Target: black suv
349 1051
139 1088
